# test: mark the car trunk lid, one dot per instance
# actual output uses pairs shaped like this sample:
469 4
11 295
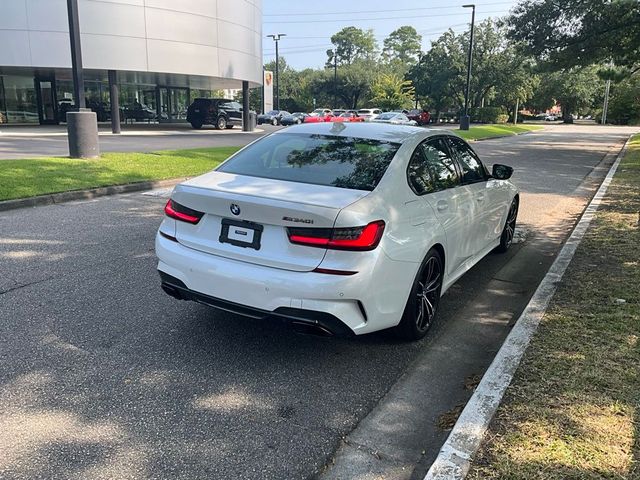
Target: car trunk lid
246 218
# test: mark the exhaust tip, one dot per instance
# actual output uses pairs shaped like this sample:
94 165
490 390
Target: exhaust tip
171 291
311 329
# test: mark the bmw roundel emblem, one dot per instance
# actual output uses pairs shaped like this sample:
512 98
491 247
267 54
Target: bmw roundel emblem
235 209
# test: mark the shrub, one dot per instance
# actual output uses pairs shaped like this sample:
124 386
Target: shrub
487 115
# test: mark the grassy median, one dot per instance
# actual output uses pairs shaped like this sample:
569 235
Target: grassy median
573 409
492 131
28 178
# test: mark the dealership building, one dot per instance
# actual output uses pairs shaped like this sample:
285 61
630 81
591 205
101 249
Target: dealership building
161 53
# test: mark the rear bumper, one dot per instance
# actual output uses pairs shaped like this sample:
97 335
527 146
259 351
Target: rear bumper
318 322
371 300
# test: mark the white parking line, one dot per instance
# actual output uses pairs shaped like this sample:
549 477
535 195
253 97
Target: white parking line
454 460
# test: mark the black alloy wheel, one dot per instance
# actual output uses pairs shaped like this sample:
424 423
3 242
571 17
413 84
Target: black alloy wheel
422 305
506 239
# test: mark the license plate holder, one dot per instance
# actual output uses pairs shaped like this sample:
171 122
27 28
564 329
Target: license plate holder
241 233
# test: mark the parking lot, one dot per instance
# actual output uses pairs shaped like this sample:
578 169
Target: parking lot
104 376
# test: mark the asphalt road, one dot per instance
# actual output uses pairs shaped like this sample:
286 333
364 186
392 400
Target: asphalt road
42 141
104 376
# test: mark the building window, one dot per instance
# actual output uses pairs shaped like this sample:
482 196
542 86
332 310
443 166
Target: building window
20 104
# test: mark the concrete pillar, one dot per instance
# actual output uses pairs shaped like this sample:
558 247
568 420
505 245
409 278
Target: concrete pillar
247 123
83 134
82 125
114 102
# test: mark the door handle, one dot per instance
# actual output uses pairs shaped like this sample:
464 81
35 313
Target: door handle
442 206
480 197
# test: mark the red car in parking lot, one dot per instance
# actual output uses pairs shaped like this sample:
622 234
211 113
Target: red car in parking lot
421 117
318 118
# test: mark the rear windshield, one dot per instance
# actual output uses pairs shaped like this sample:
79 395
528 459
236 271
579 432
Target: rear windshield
343 162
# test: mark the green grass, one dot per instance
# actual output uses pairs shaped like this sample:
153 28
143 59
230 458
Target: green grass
31 177
573 409
492 131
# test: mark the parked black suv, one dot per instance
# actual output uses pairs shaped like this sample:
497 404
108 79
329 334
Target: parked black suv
219 112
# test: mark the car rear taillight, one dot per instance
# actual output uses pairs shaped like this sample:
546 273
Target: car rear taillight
182 213
353 238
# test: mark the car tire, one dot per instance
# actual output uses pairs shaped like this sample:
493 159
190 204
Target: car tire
298 121
221 123
196 125
506 239
422 305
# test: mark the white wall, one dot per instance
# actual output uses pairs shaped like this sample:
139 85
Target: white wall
214 38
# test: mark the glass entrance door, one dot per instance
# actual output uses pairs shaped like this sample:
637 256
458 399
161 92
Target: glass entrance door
46 96
173 104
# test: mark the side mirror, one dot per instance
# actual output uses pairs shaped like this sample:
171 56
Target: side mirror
502 172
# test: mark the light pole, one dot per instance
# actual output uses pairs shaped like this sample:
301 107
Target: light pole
82 124
466 120
276 38
335 78
415 82
605 110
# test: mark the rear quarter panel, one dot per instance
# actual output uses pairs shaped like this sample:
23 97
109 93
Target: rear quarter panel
412 227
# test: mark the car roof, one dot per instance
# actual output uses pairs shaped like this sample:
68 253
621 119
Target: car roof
371 131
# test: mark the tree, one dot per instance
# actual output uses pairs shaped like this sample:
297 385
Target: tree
574 89
403 45
500 72
293 86
354 83
352 44
391 92
255 99
624 106
578 32
439 77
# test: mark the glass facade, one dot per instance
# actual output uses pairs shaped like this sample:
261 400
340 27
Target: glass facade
18 100
43 98
174 102
138 103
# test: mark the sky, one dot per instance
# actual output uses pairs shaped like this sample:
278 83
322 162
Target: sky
309 25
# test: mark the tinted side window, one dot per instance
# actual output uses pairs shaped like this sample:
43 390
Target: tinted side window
418 173
441 165
226 105
472 168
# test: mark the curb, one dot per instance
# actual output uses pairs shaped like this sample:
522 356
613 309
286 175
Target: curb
62 197
506 136
456 455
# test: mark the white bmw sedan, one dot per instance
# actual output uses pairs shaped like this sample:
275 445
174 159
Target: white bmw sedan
337 228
